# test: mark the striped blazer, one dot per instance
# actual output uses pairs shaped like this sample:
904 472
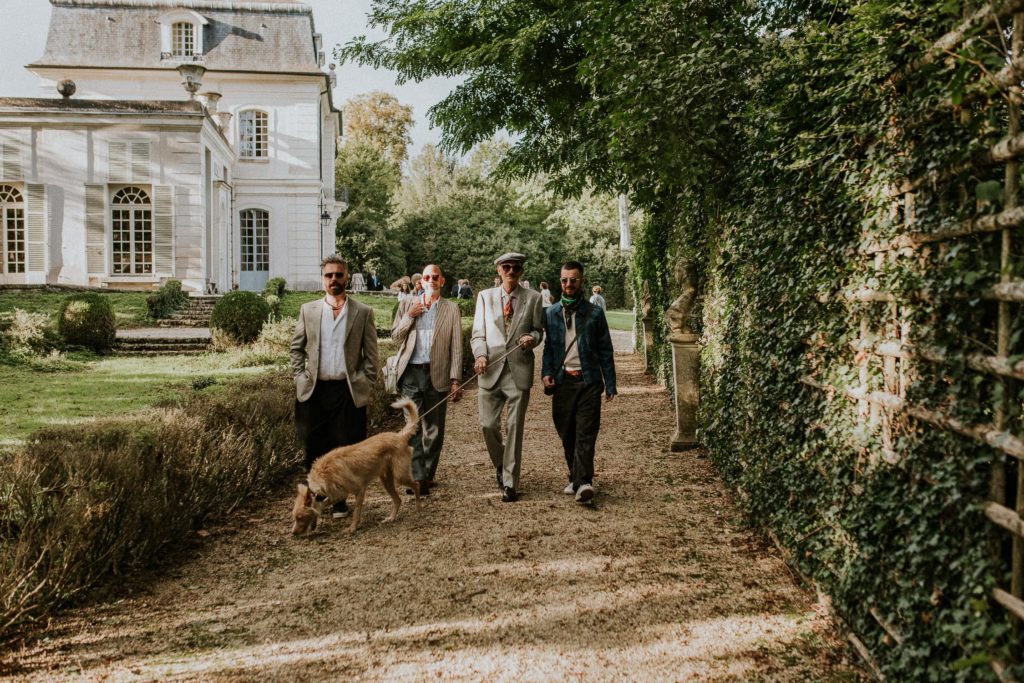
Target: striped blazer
446 349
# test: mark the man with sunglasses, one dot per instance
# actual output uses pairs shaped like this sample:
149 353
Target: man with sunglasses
507 325
428 329
334 362
578 364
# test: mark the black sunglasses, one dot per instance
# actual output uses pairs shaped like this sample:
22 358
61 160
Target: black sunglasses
335 275
511 267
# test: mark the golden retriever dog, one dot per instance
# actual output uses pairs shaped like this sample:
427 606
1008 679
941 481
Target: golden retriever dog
351 469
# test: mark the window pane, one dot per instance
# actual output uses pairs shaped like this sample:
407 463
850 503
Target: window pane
183 40
12 230
255 240
253 134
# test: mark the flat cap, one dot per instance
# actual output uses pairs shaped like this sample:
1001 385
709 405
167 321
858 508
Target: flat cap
510 256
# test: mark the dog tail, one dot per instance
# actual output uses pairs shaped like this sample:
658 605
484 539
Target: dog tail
412 417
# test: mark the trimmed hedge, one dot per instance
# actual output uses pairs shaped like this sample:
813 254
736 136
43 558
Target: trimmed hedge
87 319
240 315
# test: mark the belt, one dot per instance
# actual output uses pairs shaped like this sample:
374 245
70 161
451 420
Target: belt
574 373
425 366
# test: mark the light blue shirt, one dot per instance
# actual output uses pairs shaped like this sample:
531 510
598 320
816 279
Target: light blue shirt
424 333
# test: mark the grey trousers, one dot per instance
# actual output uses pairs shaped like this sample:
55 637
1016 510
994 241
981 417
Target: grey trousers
507 455
428 441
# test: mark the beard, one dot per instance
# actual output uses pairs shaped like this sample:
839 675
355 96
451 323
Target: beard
334 288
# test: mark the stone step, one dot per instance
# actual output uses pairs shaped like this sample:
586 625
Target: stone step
179 322
160 352
131 341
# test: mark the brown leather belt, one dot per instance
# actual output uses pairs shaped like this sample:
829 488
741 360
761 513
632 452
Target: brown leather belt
574 373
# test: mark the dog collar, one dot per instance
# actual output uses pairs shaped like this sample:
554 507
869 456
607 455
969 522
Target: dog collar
316 496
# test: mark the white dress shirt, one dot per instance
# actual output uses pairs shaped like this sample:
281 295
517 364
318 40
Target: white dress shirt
332 343
424 332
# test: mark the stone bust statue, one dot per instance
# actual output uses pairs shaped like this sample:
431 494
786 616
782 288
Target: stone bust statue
678 313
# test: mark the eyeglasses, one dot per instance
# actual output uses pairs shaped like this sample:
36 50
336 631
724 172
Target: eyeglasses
428 277
567 280
335 275
511 267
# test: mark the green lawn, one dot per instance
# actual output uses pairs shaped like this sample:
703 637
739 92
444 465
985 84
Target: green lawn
620 320
382 306
109 386
129 307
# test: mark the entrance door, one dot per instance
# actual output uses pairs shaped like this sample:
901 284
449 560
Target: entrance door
255 244
12 235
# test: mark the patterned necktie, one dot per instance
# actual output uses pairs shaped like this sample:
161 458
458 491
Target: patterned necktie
507 311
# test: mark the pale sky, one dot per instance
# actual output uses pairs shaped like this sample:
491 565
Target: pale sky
23 37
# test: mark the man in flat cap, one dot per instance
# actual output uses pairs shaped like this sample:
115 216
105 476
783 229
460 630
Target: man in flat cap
508 318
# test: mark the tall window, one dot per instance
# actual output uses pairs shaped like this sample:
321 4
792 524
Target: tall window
12 216
255 240
252 134
132 222
183 39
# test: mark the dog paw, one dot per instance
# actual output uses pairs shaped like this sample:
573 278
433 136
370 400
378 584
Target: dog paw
390 519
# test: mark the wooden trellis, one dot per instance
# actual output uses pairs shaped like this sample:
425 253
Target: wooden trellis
886 340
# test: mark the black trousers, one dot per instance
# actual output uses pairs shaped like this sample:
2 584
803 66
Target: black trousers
576 410
328 419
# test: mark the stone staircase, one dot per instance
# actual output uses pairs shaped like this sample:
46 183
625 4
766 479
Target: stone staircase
195 313
162 346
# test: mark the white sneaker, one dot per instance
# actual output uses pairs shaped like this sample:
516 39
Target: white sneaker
569 490
584 493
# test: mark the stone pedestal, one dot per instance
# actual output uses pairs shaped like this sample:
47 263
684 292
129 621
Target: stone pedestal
647 326
686 375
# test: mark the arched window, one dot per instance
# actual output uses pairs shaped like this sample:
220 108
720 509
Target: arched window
253 127
132 239
12 217
255 240
183 39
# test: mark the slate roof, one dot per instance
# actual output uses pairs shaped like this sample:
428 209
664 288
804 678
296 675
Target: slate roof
268 36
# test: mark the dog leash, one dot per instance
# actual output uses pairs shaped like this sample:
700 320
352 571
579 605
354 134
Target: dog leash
475 376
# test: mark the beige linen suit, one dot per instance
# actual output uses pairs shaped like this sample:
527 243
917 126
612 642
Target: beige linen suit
360 350
509 380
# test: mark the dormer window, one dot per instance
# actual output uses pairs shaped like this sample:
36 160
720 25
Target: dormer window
181 34
253 133
183 39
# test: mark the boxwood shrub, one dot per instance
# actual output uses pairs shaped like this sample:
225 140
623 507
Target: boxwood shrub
240 316
86 319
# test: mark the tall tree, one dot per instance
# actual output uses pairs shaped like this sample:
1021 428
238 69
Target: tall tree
380 120
371 181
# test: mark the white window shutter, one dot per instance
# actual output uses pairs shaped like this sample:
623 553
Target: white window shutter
163 229
140 162
96 229
118 164
10 161
36 227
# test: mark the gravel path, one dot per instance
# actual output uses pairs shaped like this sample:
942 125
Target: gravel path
658 581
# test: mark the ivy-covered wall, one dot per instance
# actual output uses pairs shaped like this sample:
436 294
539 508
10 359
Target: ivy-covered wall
862 323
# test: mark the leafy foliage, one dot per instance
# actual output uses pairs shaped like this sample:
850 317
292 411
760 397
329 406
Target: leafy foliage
378 119
166 300
761 138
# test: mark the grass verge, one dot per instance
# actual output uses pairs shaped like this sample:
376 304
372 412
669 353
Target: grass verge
130 308
620 320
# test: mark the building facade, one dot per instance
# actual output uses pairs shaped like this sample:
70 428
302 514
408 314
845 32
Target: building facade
129 182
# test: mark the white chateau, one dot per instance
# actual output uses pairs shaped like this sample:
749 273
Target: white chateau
128 182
